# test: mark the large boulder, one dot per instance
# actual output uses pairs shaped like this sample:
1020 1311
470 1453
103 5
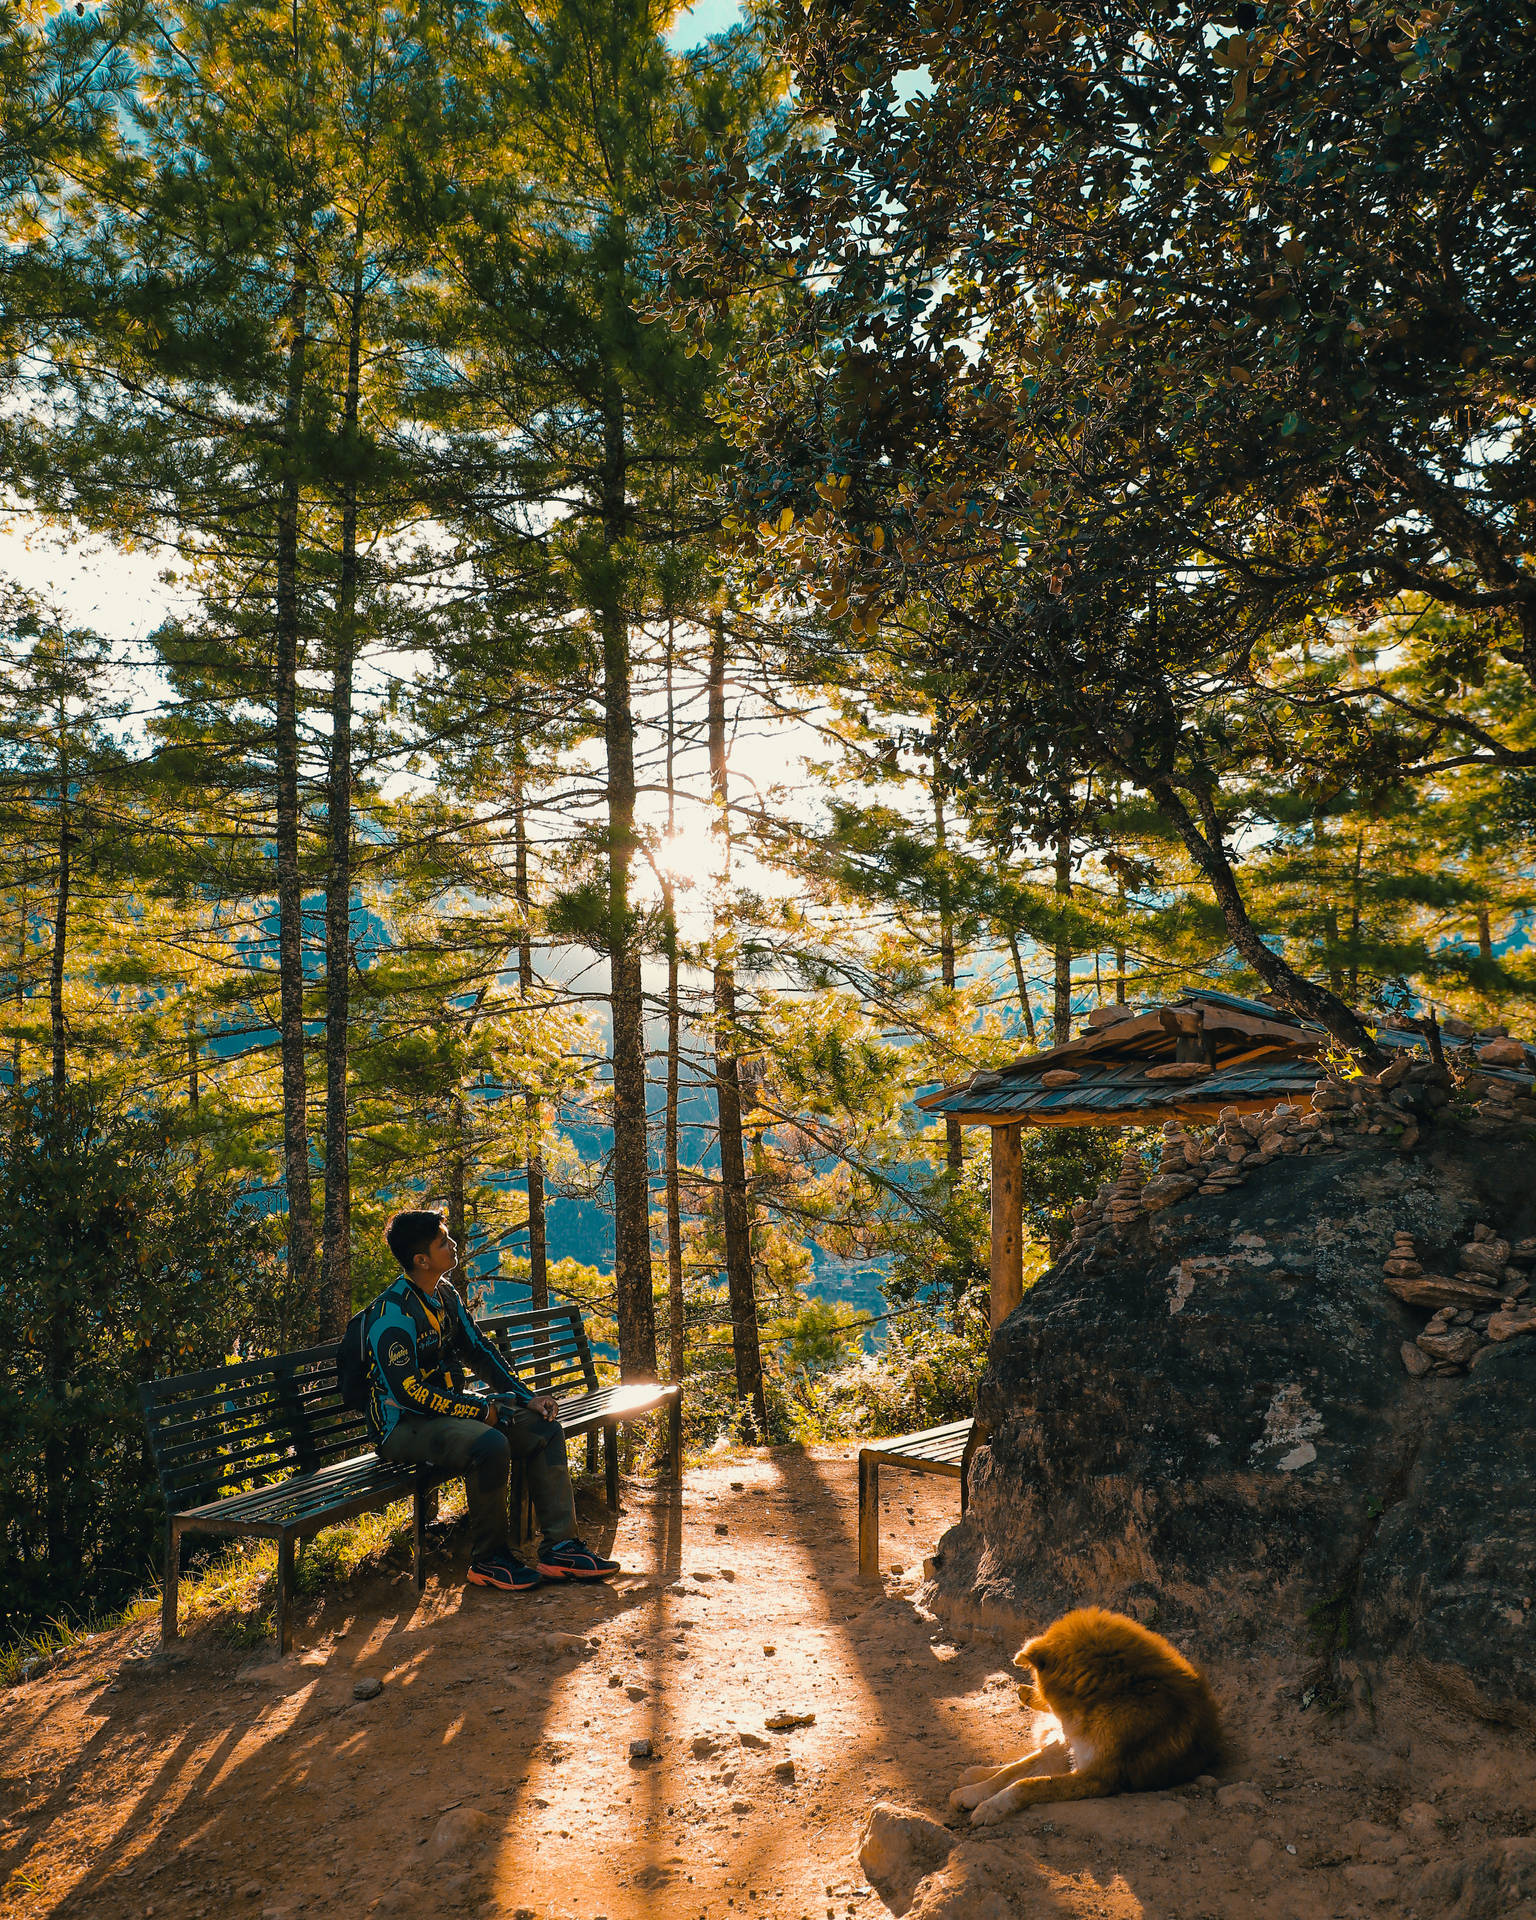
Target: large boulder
1204 1417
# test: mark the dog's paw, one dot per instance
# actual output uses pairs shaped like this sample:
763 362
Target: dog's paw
991 1811
972 1775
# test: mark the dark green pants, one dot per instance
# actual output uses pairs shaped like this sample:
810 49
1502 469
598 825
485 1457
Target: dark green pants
484 1456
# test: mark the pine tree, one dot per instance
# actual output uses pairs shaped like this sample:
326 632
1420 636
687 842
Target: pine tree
593 440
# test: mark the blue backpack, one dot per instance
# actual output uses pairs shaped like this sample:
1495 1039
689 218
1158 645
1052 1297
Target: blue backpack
352 1364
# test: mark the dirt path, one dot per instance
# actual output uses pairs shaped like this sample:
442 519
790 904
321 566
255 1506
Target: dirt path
492 1775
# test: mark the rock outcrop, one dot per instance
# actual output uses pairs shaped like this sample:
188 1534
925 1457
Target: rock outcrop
1205 1415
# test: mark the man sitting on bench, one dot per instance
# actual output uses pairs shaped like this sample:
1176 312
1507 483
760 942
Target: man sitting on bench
416 1338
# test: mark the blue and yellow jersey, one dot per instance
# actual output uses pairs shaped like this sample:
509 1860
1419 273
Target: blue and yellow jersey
416 1346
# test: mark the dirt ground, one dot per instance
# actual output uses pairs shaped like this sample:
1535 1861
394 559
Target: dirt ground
493 1773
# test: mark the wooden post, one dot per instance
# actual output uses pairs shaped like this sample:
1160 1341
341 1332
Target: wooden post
869 1514
169 1627
1007 1223
284 1594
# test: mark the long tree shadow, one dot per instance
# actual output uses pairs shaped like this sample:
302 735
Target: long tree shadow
914 1737
636 1857
291 1788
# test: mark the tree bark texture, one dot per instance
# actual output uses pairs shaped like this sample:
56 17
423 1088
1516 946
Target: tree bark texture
631 1160
733 1168
1061 1010
1023 986
290 895
954 1150
336 1285
677 1342
538 1236
57 1035
456 1180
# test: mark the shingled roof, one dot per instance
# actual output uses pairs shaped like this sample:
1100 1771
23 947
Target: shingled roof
1135 1065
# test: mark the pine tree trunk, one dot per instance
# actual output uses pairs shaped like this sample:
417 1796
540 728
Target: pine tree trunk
677 1345
733 1169
1203 839
631 1160
1023 986
20 996
538 1237
456 1159
290 896
1484 935
336 1285
1061 1011
1120 948
954 1151
60 920
192 1063
677 1356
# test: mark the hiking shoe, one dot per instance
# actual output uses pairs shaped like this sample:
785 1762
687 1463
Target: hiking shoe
570 1560
503 1570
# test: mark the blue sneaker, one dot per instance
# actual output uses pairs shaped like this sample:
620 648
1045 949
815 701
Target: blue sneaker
570 1560
505 1571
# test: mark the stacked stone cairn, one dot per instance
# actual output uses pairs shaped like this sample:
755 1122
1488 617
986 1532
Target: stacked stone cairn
1486 1301
1486 1083
1125 1196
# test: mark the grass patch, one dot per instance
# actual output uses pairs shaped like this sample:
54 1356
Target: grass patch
33 1653
236 1593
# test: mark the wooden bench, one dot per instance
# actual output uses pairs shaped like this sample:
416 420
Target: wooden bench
548 1349
266 1449
942 1450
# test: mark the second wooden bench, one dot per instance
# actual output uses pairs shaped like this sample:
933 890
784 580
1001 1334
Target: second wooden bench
943 1450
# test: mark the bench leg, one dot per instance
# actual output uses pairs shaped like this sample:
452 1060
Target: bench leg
169 1625
611 1466
869 1516
675 1437
419 1516
284 1595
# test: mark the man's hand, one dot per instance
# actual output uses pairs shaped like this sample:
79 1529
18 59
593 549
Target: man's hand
547 1407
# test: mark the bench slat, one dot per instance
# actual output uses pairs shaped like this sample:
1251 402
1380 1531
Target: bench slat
936 1443
239 1372
614 1402
193 1413
294 1507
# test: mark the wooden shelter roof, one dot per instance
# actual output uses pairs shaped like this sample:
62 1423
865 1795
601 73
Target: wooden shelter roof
1132 1066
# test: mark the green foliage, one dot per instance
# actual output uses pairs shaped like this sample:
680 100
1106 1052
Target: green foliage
1060 1166
123 1258
1117 385
925 1375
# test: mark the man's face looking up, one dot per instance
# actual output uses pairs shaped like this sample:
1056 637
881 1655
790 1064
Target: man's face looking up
434 1261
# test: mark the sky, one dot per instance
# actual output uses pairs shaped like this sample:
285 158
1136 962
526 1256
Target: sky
698 22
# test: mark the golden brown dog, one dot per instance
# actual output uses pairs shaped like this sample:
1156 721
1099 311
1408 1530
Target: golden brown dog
1134 1715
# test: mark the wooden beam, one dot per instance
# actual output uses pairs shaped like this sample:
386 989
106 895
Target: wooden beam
1007 1223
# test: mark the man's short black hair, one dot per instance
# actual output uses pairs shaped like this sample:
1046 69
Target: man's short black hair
410 1233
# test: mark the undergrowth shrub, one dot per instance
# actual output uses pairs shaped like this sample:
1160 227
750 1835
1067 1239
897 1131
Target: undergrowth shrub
122 1256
